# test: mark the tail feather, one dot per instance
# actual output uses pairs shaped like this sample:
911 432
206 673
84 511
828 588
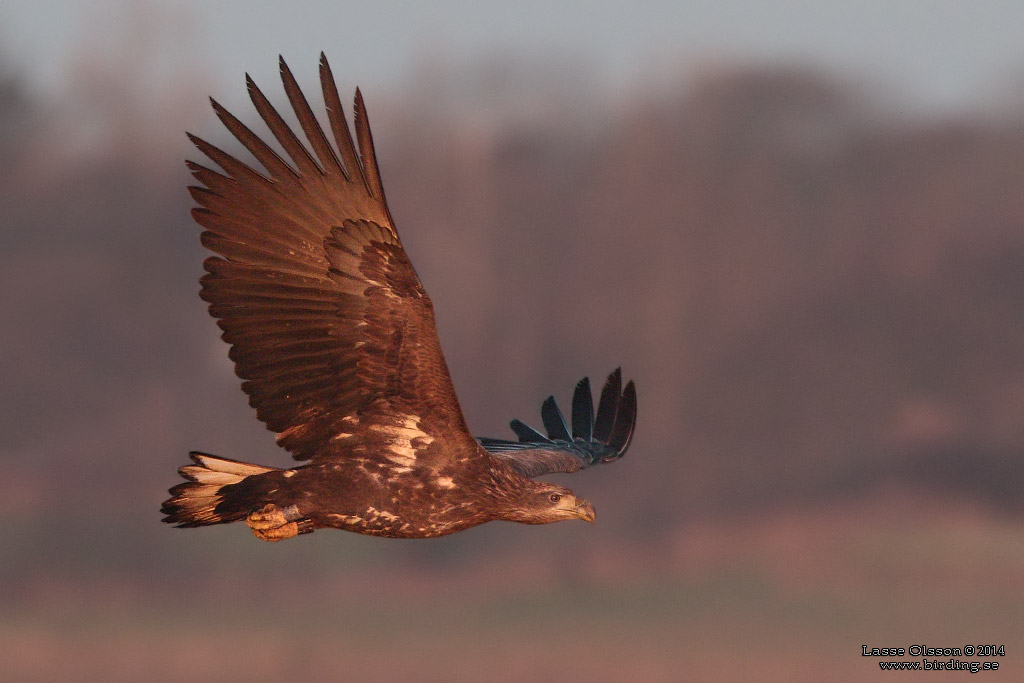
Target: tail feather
201 500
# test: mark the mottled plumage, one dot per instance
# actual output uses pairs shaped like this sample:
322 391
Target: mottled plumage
334 337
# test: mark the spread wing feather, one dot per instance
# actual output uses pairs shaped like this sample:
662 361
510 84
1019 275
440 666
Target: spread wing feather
583 411
553 420
526 432
328 323
595 439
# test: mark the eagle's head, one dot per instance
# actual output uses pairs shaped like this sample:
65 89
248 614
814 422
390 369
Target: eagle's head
542 503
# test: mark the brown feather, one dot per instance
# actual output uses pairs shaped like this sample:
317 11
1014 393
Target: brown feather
366 151
325 314
329 163
336 116
296 151
334 336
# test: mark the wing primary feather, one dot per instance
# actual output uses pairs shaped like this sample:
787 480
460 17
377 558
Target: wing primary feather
526 433
339 126
238 171
625 421
300 156
309 283
310 126
553 420
535 455
277 167
207 176
366 151
607 406
583 411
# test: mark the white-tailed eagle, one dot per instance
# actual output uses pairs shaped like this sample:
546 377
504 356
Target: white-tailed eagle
334 336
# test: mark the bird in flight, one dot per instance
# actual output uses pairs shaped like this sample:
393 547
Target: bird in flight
335 339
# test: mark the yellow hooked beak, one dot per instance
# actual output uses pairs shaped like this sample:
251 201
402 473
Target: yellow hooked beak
585 510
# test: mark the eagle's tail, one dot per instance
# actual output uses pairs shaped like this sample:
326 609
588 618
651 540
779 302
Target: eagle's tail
211 494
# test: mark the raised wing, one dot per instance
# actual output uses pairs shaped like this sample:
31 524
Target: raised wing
594 440
328 323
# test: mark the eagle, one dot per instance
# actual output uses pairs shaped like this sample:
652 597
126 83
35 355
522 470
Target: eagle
335 339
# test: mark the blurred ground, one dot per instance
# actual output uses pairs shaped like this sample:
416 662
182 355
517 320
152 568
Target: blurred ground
789 595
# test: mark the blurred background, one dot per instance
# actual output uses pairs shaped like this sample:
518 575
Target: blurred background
798 226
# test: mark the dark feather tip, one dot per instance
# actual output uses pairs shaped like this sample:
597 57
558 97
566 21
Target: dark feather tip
554 423
625 420
607 406
583 411
526 433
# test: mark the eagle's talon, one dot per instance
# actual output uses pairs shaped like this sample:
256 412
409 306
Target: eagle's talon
277 533
268 517
272 523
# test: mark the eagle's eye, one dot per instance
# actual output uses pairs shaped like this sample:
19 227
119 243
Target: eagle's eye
555 497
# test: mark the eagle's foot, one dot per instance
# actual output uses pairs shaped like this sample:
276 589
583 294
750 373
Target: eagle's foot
273 523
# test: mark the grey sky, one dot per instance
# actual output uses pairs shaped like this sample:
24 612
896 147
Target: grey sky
942 53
